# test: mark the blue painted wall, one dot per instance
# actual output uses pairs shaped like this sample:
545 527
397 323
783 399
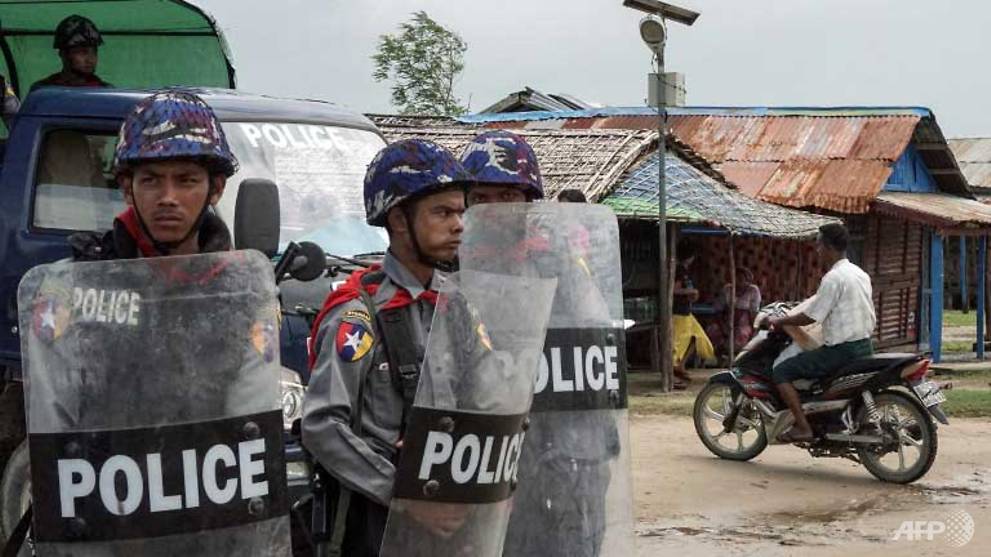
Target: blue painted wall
910 174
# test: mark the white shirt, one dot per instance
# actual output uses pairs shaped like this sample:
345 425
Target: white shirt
844 305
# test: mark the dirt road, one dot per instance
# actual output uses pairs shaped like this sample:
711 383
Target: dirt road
784 502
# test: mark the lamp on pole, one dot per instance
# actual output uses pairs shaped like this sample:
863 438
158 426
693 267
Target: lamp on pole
653 31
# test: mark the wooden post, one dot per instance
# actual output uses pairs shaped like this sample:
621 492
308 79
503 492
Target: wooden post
936 298
732 300
982 266
964 276
799 285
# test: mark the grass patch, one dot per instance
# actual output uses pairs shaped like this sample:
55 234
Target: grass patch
672 404
646 398
958 346
959 319
968 403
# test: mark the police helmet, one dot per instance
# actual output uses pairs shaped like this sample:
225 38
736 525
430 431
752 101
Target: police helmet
76 30
502 158
406 169
174 124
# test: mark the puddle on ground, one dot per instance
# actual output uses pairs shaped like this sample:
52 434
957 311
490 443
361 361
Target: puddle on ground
971 489
831 525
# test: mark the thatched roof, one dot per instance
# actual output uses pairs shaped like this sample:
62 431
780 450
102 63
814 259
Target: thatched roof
589 160
613 166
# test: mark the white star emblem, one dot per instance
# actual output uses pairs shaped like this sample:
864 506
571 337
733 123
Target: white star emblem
48 318
354 340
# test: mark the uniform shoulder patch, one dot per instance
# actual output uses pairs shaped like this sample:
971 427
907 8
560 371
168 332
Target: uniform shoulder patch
353 341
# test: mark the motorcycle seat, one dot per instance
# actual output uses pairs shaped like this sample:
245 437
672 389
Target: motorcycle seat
876 362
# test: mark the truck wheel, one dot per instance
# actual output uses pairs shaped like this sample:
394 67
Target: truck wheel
15 489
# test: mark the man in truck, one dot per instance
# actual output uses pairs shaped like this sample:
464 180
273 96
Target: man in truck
77 40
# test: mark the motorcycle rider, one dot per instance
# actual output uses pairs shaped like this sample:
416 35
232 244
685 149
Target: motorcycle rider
77 40
549 518
844 307
365 367
172 163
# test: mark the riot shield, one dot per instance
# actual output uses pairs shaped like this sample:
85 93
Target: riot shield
458 463
151 390
575 495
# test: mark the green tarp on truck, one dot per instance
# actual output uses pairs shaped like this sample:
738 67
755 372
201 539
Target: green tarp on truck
147 43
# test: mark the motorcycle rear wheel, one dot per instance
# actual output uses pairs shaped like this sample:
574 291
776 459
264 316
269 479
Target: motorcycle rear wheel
713 403
905 419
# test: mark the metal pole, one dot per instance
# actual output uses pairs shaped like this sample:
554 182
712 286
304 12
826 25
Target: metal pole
664 300
936 298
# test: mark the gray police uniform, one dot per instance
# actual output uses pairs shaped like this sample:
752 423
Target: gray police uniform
363 463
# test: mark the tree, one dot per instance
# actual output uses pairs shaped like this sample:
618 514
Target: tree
423 60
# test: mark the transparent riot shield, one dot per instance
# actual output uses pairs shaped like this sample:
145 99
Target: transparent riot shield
575 496
464 434
152 390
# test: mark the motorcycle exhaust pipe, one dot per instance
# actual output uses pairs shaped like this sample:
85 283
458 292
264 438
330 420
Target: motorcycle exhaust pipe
859 439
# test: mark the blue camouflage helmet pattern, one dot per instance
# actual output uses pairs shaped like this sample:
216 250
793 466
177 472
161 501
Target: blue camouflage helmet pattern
174 124
76 30
406 169
500 157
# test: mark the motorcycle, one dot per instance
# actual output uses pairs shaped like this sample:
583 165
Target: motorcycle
876 411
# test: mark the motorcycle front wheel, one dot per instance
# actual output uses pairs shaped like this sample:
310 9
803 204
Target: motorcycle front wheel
746 440
909 449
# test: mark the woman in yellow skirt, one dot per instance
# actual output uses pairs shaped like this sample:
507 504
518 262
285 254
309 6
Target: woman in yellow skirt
688 335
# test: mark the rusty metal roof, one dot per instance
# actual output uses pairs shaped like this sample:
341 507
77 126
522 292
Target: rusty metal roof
836 159
947 212
974 156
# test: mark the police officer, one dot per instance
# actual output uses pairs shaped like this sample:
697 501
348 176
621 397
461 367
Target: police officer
559 509
172 163
77 40
364 369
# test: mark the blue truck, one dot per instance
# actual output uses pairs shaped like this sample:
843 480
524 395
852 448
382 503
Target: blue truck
56 179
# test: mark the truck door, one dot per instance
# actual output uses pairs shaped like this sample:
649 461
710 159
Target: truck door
56 181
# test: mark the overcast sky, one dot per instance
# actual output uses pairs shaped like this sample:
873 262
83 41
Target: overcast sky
739 53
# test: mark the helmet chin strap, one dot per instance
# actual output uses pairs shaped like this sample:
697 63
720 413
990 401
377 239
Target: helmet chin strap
166 248
443 266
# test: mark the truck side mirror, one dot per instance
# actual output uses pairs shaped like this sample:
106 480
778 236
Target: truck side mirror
256 216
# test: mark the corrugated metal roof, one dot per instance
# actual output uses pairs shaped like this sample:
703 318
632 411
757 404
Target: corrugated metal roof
606 111
835 159
937 209
531 99
695 197
974 156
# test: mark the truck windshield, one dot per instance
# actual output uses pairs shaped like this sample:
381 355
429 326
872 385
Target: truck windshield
320 172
